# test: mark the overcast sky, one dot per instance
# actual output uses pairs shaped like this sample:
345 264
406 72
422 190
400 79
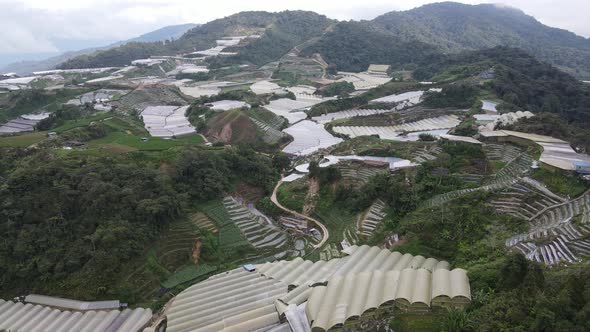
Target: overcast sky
35 26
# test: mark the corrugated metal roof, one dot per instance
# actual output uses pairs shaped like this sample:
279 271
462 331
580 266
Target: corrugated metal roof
18 316
237 300
349 296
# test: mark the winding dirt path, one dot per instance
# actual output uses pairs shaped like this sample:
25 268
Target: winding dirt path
325 232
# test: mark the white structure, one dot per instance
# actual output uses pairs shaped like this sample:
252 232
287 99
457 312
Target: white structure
226 105
308 137
267 87
394 163
434 126
167 121
504 119
413 97
489 106
363 81
146 62
54 314
188 68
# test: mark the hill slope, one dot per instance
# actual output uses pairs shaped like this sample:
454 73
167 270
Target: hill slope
279 33
453 27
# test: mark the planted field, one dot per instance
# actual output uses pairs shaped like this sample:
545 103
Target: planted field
257 229
358 175
372 218
229 234
558 233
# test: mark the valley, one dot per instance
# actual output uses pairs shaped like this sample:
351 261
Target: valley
290 172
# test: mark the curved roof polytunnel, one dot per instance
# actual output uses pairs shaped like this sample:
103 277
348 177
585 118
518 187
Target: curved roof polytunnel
26 317
333 291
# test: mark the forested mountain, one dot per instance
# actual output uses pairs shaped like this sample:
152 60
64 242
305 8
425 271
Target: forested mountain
353 46
453 27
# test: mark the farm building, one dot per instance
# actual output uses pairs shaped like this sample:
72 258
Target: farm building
309 137
434 126
146 62
363 81
167 121
412 97
226 105
267 87
300 295
379 70
44 313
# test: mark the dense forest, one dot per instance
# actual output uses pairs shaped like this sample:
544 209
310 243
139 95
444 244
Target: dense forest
71 223
353 46
453 27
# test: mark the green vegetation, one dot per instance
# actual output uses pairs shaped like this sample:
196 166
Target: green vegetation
453 27
353 46
22 141
567 185
34 101
340 89
292 195
459 96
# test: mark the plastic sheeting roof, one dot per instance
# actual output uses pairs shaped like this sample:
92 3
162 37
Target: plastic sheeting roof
17 316
351 295
309 137
361 259
237 300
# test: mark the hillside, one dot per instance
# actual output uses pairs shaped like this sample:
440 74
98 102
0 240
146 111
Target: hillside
402 39
279 33
353 46
453 27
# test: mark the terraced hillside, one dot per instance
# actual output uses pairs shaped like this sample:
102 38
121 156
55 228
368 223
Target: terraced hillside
357 175
257 229
558 233
525 199
372 218
426 154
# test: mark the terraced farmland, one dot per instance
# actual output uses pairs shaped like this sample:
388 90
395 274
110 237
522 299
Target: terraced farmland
525 199
258 230
358 176
271 135
372 218
203 222
426 154
555 236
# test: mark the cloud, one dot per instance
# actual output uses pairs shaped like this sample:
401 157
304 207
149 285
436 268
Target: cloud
38 25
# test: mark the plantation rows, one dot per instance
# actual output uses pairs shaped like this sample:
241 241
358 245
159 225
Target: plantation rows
372 219
257 230
557 233
426 154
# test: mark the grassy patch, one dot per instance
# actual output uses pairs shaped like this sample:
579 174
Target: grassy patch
133 141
